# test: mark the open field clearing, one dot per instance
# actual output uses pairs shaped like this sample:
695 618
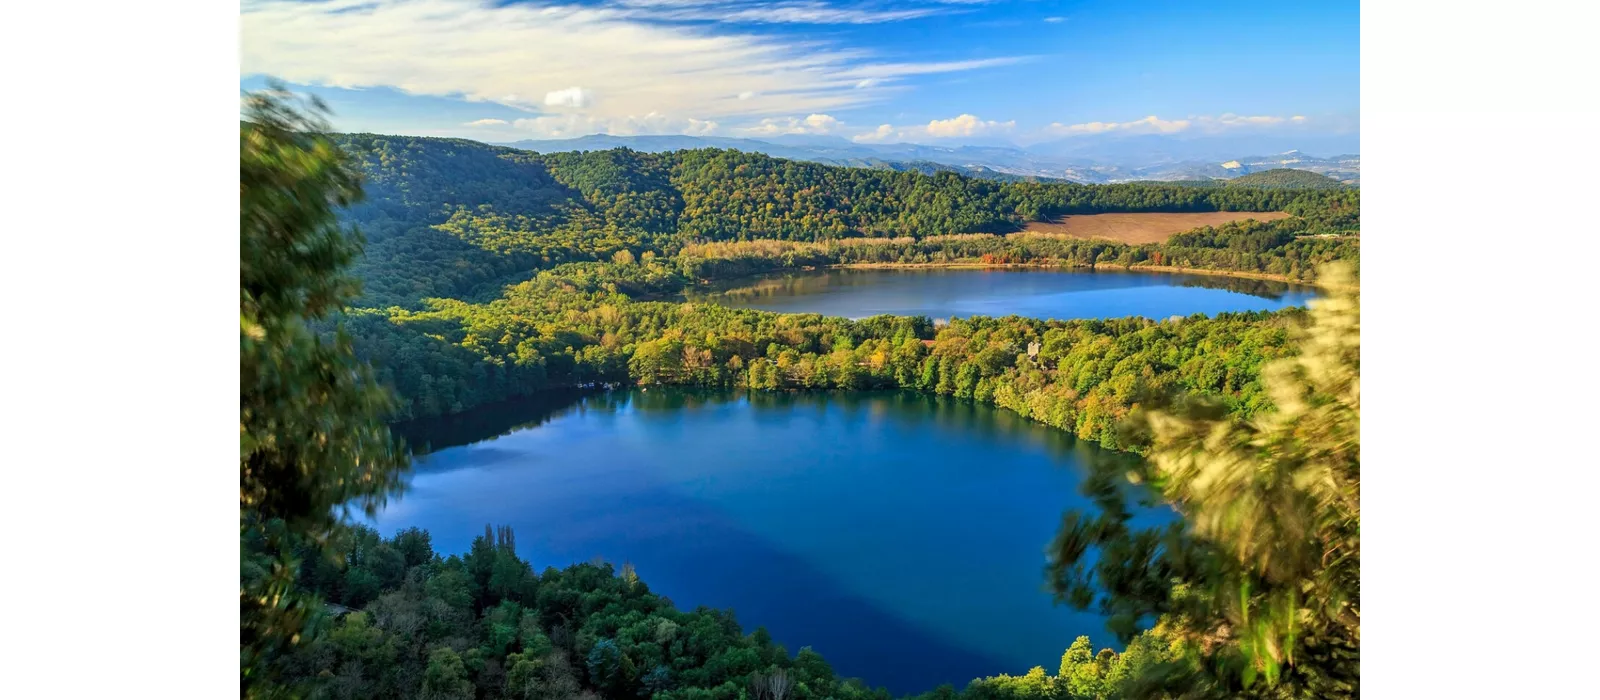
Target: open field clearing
1142 228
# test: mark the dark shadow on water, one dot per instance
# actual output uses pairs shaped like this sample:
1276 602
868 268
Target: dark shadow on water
486 422
802 606
1265 289
694 554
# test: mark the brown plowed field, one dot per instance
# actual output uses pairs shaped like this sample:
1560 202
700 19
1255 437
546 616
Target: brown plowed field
1142 228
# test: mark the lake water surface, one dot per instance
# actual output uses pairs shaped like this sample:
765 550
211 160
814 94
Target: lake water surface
1039 293
900 536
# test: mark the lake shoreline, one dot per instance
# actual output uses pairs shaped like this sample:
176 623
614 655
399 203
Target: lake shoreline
1059 266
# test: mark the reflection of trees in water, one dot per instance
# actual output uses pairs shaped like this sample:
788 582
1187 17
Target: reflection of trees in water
496 420
777 286
795 284
1266 289
486 422
947 415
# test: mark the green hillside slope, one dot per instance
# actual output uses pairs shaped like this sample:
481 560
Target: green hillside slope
1287 178
449 218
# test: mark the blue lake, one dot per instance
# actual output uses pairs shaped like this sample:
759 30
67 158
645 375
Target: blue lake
1038 293
901 536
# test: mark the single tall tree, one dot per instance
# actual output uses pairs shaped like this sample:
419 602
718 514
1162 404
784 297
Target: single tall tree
312 438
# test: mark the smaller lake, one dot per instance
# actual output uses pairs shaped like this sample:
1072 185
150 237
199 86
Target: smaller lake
902 536
1038 293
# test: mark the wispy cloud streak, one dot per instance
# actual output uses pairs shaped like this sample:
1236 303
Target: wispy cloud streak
581 65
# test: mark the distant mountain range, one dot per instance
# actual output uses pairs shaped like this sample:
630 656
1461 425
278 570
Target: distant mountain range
1087 160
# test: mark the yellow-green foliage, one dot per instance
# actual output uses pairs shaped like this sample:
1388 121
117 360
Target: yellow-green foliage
1261 581
1083 674
1280 494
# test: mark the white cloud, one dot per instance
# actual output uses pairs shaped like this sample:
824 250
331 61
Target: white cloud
487 122
765 12
813 124
570 97
1156 125
963 126
1228 120
822 124
1054 20
804 13
869 82
1148 125
573 124
700 127
479 50
1234 121
884 132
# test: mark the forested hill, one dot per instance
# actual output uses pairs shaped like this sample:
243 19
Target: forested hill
491 272
450 218
1287 178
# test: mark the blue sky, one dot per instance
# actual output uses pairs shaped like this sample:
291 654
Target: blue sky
925 71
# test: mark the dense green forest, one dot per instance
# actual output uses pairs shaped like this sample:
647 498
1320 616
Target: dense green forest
928 167
1270 248
448 218
490 273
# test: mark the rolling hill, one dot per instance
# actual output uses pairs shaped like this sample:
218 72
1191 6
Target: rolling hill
458 219
1286 178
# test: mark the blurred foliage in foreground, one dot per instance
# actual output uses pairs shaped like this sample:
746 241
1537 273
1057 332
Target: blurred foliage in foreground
312 440
1261 579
